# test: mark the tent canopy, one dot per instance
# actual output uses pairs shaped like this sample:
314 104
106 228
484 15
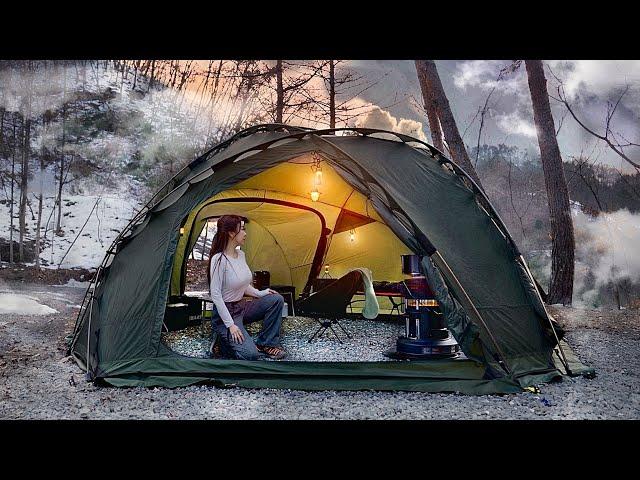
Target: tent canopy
398 194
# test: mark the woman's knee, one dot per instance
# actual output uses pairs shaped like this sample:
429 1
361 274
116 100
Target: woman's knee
247 350
277 298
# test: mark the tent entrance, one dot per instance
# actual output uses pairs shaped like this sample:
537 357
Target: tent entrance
285 238
341 229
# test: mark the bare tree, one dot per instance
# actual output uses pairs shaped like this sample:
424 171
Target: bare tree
433 93
26 149
333 100
292 81
562 237
13 177
616 144
584 170
39 198
61 175
430 107
279 92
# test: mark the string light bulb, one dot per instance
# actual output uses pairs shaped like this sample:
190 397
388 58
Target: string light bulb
181 230
352 235
317 176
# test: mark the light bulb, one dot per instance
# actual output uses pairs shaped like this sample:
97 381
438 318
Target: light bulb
352 235
315 195
318 177
181 230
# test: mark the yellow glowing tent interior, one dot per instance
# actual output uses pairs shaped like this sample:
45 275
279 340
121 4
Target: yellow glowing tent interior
292 236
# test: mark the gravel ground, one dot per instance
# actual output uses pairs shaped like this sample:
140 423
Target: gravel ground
37 381
368 340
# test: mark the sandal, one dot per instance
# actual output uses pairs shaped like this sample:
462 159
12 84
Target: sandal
275 353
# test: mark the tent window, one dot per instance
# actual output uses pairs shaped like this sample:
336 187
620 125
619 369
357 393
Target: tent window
403 220
377 191
201 176
246 155
172 198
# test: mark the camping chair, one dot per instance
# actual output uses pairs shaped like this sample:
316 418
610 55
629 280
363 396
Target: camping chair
329 304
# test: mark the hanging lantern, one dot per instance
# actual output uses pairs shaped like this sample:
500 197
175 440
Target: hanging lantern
181 231
317 176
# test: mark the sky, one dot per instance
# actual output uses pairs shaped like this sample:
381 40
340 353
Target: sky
588 84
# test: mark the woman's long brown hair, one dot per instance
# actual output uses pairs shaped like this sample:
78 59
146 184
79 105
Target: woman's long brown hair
226 224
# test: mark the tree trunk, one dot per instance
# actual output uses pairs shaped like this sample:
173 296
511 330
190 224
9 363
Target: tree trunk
204 244
562 239
430 108
37 247
24 185
153 73
62 155
279 91
84 75
428 69
42 170
332 94
2 131
13 177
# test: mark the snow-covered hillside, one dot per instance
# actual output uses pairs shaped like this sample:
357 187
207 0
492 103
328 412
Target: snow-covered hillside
122 144
90 221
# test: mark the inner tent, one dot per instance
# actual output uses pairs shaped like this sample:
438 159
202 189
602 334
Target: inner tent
294 237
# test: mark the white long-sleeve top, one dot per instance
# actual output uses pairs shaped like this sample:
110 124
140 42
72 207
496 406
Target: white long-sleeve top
231 279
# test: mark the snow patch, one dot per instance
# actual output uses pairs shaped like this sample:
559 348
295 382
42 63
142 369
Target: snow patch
23 305
75 284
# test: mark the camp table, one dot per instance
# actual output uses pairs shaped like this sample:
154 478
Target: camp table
204 296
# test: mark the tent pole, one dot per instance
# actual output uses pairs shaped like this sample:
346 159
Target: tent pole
564 358
473 307
89 332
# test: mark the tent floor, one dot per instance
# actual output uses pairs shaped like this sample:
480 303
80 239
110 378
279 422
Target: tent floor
369 339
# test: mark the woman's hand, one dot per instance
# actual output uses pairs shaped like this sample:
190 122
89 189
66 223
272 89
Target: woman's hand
236 333
270 291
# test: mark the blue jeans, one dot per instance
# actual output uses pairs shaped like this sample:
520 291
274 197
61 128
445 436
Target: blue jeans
249 310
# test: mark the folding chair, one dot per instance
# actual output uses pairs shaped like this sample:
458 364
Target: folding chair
329 304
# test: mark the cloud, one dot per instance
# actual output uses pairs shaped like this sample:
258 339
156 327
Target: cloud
585 78
382 119
513 123
483 74
475 73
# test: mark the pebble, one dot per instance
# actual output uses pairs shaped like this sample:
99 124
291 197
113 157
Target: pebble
39 387
369 340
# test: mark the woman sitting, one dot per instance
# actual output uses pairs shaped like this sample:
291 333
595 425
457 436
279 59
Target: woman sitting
230 280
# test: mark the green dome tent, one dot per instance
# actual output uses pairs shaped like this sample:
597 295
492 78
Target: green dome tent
402 194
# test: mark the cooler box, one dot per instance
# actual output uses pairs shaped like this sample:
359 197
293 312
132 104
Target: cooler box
176 316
